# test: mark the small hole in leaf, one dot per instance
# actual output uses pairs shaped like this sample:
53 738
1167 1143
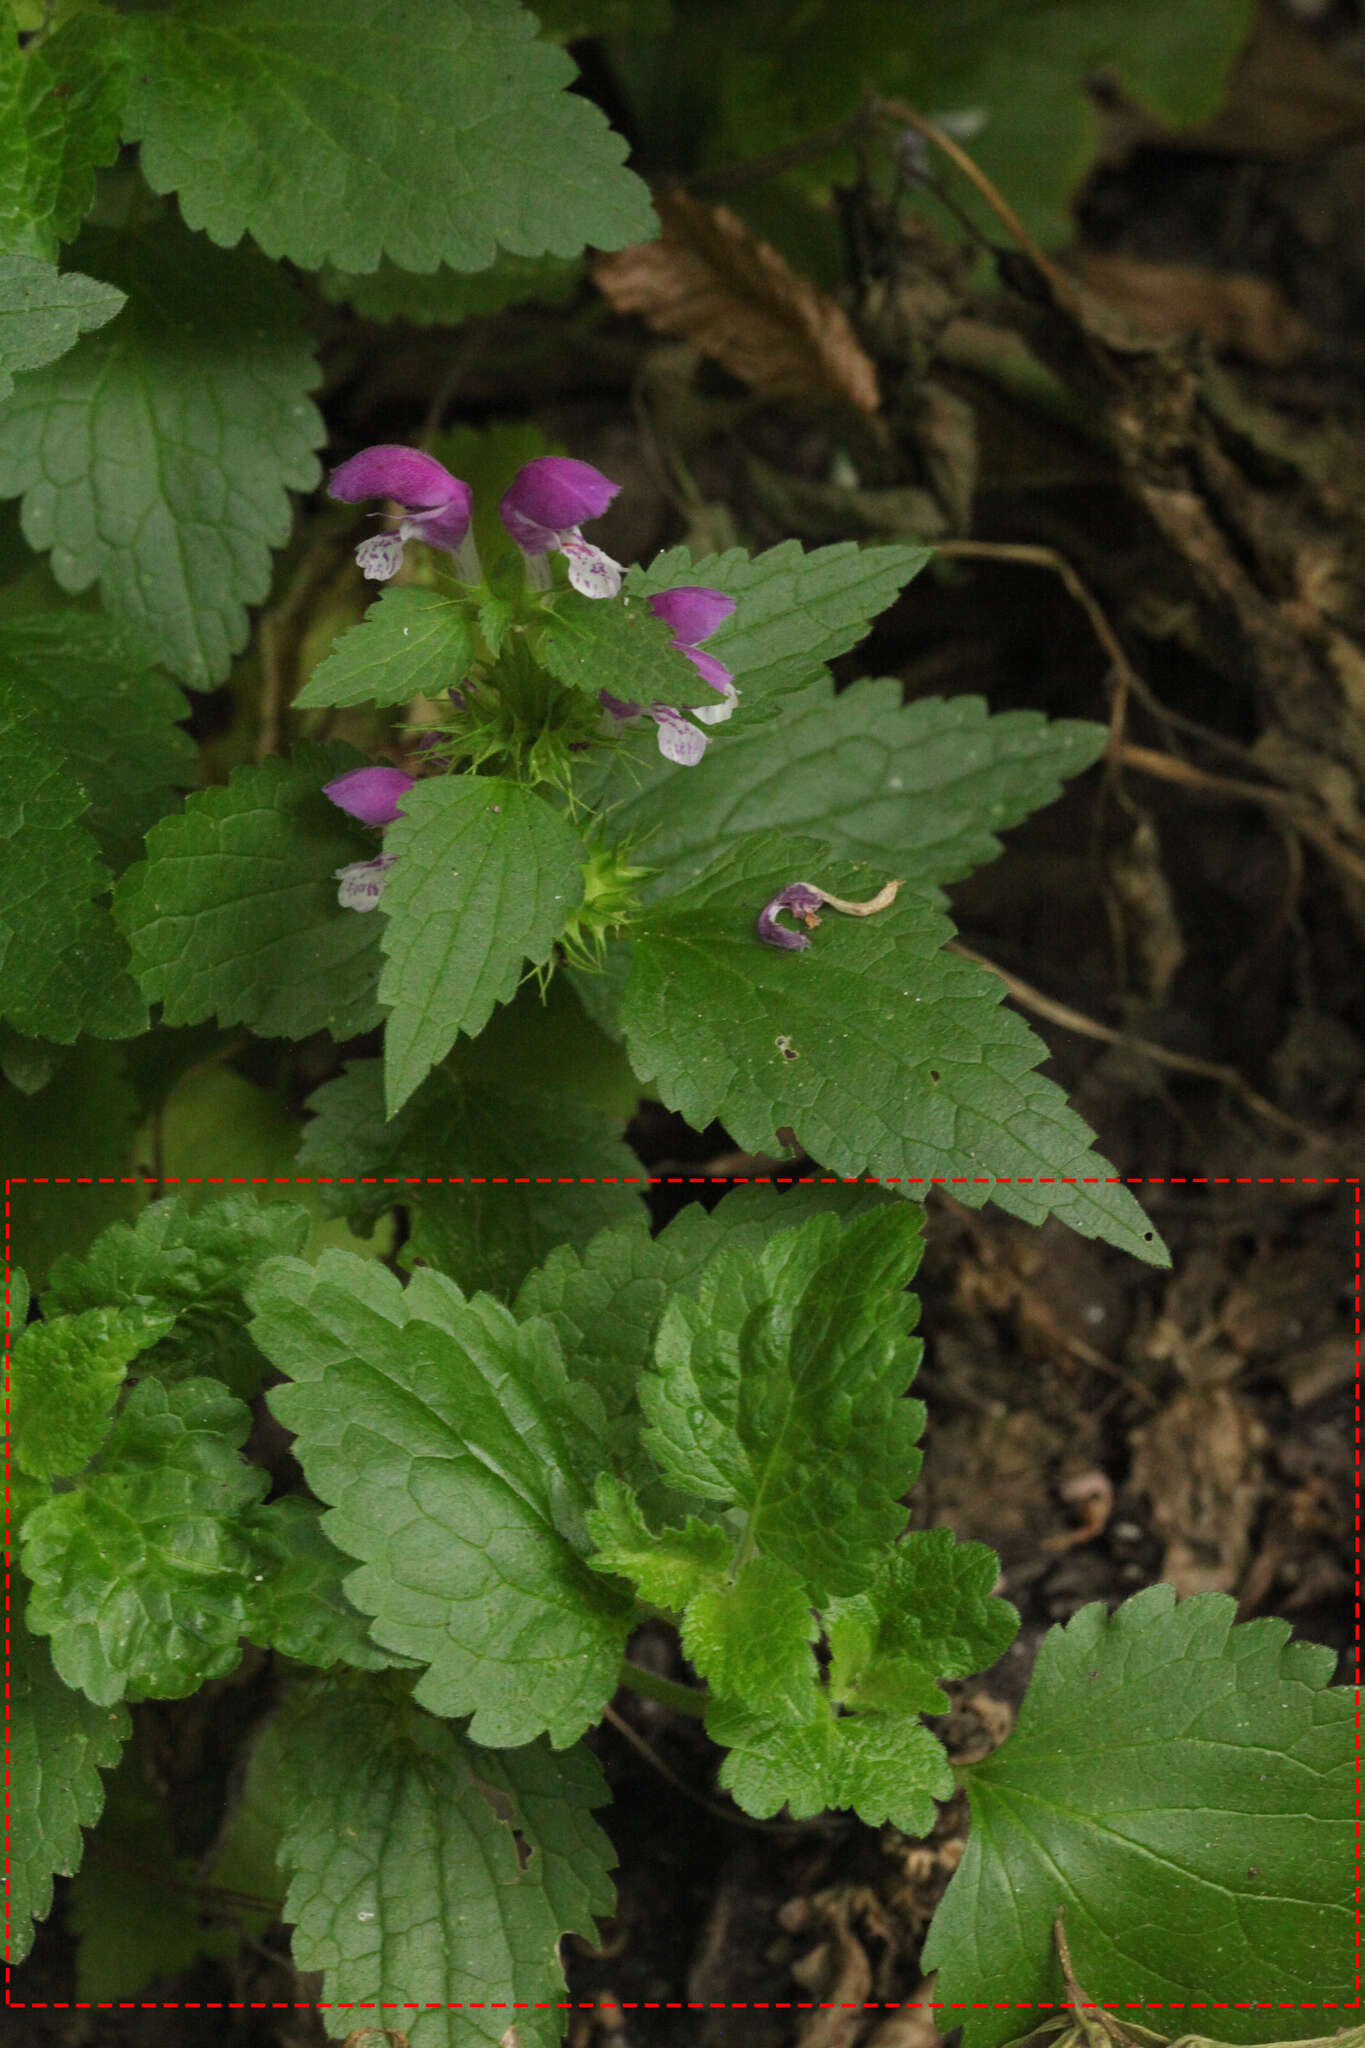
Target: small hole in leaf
932 1075
786 1048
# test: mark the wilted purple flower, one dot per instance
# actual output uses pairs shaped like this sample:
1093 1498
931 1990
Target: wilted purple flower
370 794
362 883
545 505
694 612
803 899
436 505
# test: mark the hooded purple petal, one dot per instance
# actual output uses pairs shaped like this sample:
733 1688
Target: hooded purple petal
370 794
714 672
550 496
415 479
692 611
798 897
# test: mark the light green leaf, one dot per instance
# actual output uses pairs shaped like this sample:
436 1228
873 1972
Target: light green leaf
341 132
412 642
930 1613
234 912
750 1638
486 877
139 1574
60 103
425 1871
668 1568
43 313
883 1766
924 788
457 1458
444 298
295 1603
883 1053
59 1743
617 644
155 457
1165 1756
62 963
794 611
65 1376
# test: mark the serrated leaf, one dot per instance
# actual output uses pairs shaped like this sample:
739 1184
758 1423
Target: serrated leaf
115 717
59 1743
295 1602
668 1567
139 1574
424 1871
930 1613
60 102
778 1386
412 642
750 1638
445 297
883 1766
617 644
70 1176
924 787
457 1459
156 456
486 877
343 132
1161 1754
234 912
793 611
43 313
63 966
883 1053
501 1174
65 1376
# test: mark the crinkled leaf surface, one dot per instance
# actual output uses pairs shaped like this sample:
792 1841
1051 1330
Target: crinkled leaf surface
883 1766
116 718
1182 1788
924 787
295 1602
156 456
345 130
64 1379
443 298
59 1743
883 1053
425 1871
794 611
617 644
63 966
44 311
457 1459
234 912
412 642
930 1613
61 98
486 878
139 1574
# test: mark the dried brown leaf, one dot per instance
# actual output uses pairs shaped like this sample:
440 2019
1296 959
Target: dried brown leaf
1227 309
741 303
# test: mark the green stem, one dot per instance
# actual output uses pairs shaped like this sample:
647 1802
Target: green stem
686 1698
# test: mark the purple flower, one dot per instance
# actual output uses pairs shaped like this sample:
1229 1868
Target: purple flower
362 883
436 504
543 508
370 794
694 612
679 742
803 899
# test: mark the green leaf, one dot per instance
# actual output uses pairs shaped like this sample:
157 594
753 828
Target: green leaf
883 1053
794 611
502 1174
342 133
930 1613
668 1568
413 642
750 1638
234 912
139 1574
116 718
779 1383
59 1743
618 645
43 313
424 1871
295 1603
70 1174
883 1766
156 456
456 1456
61 100
65 1376
444 298
190 1267
62 963
923 787
1162 1754
486 878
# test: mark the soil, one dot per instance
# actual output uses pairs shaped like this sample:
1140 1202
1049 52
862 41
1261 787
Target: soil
1200 901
